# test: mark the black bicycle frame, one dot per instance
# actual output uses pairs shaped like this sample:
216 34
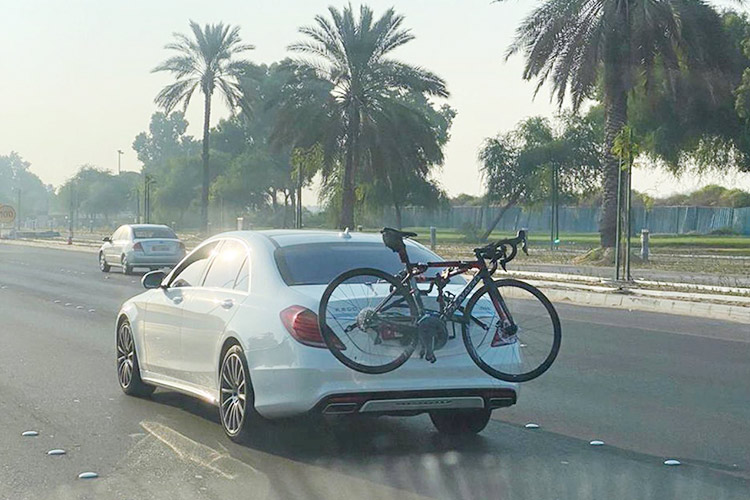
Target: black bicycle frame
483 274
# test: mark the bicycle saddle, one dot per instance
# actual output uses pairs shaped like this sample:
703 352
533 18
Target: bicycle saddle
394 239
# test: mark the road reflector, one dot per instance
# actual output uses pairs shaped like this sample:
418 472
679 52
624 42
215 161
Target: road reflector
56 452
596 442
88 475
672 462
532 426
29 433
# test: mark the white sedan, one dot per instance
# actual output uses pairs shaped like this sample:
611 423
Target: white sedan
234 324
141 245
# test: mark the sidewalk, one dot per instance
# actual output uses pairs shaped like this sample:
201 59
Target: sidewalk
655 275
705 301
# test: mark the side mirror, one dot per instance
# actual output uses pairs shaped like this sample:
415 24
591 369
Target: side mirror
153 279
107 239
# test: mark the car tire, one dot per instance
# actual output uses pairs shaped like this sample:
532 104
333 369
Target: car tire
455 422
126 268
103 266
128 369
236 399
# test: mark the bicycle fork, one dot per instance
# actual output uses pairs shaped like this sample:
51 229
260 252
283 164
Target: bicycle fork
506 330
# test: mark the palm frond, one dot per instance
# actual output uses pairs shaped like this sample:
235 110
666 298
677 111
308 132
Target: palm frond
175 93
205 59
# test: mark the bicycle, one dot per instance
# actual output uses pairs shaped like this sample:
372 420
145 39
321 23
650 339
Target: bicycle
372 322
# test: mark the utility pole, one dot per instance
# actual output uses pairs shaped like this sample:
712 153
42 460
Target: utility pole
554 237
137 205
145 198
147 182
298 224
70 216
618 233
628 224
120 152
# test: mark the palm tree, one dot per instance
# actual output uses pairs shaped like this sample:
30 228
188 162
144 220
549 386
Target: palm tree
616 46
350 57
205 61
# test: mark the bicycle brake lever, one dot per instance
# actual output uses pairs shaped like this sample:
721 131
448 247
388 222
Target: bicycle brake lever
502 264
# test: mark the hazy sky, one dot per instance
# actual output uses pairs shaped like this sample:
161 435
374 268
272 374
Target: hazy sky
76 84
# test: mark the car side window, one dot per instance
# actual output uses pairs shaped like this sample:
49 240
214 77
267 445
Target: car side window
191 270
121 234
243 278
226 265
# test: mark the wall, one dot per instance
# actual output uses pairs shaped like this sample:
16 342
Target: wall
671 220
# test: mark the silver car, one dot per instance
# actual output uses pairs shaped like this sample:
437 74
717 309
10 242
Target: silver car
141 245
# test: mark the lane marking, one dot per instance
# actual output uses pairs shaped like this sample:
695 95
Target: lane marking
187 449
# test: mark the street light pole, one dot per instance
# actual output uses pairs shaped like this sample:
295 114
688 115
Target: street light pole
120 152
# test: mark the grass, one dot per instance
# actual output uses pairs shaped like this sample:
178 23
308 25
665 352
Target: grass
659 243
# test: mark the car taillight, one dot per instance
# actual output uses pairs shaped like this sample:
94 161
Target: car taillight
302 324
138 247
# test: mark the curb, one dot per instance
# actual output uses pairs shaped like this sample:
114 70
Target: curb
75 247
734 313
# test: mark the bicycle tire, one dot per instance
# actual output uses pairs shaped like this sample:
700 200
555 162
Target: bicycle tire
334 341
554 322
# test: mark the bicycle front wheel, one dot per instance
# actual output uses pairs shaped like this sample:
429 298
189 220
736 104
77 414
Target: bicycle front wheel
368 320
525 355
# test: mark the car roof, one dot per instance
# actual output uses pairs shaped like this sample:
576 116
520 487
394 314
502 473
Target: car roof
147 226
287 237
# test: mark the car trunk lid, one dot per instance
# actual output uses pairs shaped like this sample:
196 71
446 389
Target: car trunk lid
159 246
454 345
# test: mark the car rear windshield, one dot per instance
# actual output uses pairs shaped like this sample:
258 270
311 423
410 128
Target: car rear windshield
145 233
319 263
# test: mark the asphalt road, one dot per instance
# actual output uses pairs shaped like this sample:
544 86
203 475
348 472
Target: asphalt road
651 386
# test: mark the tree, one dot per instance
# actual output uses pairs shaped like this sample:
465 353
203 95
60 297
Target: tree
615 46
206 61
259 171
15 176
96 192
350 62
518 165
711 195
405 153
685 122
165 139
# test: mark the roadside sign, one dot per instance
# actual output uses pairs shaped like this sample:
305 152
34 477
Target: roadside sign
7 214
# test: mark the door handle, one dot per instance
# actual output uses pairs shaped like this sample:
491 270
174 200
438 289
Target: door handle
227 303
177 299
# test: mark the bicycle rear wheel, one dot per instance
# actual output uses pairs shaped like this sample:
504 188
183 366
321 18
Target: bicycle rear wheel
536 343
368 321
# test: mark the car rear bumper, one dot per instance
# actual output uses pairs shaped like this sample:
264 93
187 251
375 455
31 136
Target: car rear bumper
415 401
418 386
136 259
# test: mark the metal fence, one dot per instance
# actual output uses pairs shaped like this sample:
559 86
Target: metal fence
674 220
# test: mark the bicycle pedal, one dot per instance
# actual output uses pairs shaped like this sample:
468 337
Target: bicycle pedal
503 341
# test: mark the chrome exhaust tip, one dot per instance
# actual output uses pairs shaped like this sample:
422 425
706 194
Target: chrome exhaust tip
340 408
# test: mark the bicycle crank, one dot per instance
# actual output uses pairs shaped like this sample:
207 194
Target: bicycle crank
433 335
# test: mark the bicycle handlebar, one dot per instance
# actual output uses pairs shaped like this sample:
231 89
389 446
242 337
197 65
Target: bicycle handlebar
497 251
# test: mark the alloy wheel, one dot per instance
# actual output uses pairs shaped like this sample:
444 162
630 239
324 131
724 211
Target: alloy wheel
125 355
233 394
